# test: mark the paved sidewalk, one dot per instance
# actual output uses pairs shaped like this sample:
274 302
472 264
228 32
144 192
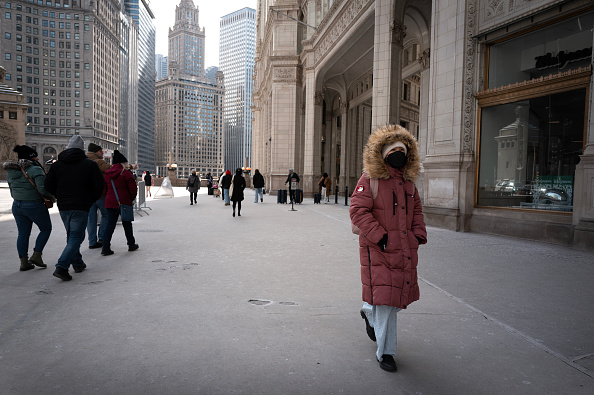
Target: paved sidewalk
268 303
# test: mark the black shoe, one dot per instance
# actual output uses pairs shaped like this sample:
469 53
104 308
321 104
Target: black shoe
368 328
79 268
234 213
106 252
239 214
195 201
133 247
96 245
62 274
261 200
387 363
191 204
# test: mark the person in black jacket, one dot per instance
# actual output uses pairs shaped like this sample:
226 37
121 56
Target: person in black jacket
77 183
238 187
225 185
258 185
193 185
292 177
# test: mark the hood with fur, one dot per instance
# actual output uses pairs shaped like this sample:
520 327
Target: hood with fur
373 162
20 163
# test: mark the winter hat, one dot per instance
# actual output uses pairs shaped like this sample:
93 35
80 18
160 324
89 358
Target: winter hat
118 157
76 142
94 147
389 147
25 152
228 172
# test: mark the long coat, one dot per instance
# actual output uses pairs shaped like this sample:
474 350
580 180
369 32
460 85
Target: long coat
238 187
325 182
389 277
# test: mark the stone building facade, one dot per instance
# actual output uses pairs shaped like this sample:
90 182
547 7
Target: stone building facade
499 91
13 112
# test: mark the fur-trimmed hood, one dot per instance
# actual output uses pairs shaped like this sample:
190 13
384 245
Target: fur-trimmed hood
373 162
18 165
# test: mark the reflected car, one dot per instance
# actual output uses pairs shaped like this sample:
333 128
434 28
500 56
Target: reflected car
506 186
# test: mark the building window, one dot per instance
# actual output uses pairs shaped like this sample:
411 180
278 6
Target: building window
532 133
12 115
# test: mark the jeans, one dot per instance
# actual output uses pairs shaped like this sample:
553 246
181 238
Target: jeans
26 213
383 319
226 195
112 219
75 222
92 222
258 191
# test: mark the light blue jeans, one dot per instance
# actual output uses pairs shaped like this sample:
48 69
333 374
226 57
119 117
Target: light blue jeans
258 192
92 221
75 222
226 196
383 319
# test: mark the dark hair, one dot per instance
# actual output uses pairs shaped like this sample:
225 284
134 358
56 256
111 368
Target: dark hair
325 175
238 171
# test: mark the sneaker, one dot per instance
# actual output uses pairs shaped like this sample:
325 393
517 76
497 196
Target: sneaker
62 274
133 247
387 363
106 252
96 245
261 200
79 268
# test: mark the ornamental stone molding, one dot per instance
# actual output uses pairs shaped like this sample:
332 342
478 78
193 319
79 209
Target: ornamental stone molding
339 27
284 73
318 98
495 7
398 30
424 59
344 106
468 120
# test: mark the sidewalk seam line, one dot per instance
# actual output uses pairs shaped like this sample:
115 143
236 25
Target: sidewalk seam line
514 331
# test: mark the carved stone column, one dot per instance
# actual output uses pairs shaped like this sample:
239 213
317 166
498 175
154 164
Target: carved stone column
345 154
398 32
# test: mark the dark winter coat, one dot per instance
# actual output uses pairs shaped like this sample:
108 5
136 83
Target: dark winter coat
290 177
20 187
238 187
193 184
258 180
226 181
389 277
74 180
148 180
125 184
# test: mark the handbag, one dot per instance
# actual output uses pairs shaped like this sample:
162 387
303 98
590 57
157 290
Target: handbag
126 211
49 202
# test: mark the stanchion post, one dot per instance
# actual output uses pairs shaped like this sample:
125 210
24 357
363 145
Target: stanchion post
346 196
336 195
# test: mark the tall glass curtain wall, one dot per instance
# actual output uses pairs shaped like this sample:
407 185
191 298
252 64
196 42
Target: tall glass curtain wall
529 148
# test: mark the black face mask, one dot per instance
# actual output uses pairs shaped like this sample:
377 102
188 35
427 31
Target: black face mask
396 159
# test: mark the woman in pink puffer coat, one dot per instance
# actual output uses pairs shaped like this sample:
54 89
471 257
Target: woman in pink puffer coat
386 207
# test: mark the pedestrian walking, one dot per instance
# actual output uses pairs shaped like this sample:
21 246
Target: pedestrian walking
290 178
209 183
237 195
95 153
225 185
26 179
148 182
325 187
193 185
386 209
258 185
121 189
77 183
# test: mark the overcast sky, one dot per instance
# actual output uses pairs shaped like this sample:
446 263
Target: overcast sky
209 17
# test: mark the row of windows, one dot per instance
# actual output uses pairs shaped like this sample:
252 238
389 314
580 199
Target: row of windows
56 3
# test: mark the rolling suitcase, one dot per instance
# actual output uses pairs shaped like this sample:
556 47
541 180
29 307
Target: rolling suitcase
317 198
281 197
298 196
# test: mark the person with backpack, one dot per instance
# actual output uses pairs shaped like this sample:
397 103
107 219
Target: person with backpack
193 185
387 214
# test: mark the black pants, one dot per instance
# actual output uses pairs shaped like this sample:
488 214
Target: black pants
291 195
193 196
238 207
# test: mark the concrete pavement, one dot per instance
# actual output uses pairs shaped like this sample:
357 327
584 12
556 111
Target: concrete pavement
268 303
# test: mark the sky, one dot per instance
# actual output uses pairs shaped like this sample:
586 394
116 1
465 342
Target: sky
209 17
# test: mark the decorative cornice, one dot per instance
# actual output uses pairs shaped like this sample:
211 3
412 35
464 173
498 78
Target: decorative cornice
328 39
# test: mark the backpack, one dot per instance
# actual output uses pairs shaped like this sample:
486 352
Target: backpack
374 185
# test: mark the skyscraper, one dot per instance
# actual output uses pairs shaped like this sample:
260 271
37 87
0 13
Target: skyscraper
189 109
142 15
160 66
237 47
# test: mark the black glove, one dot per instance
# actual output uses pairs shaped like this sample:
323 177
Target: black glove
383 243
